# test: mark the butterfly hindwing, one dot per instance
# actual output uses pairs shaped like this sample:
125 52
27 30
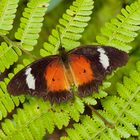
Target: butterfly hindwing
99 61
35 80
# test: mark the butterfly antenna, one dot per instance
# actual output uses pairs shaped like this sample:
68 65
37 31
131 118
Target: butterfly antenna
58 29
60 49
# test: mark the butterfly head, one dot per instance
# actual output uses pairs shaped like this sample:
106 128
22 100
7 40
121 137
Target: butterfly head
62 53
61 49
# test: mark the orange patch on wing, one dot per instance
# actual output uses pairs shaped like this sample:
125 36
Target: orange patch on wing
55 77
81 69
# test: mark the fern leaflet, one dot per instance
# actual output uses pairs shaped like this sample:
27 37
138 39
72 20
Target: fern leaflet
8 56
42 115
31 23
8 9
122 30
30 26
71 26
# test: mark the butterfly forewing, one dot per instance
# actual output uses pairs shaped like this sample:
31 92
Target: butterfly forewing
44 78
97 61
81 70
30 79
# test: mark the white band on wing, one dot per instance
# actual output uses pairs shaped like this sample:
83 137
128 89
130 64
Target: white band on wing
104 60
30 80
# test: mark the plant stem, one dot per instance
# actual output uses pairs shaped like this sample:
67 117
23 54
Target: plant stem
15 44
102 118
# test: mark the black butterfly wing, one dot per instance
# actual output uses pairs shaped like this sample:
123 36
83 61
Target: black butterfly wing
18 84
46 77
101 59
41 79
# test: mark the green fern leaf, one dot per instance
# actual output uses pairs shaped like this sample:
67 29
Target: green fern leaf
61 119
49 123
122 30
8 9
134 76
31 23
89 100
76 109
43 116
8 56
26 117
71 26
30 26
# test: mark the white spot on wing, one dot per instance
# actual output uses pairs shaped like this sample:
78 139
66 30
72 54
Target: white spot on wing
30 78
104 60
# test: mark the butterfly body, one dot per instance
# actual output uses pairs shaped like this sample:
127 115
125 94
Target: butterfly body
52 77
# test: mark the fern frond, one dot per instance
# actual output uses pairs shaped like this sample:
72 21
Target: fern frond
71 26
9 55
39 114
31 23
122 30
29 28
8 9
122 112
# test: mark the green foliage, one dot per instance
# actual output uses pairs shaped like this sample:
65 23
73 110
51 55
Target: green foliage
8 56
30 26
8 9
31 23
122 30
30 117
71 25
42 116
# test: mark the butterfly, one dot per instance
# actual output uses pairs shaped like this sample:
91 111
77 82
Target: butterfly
52 77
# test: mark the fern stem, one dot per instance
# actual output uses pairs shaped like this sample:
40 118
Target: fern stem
7 49
102 118
11 44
